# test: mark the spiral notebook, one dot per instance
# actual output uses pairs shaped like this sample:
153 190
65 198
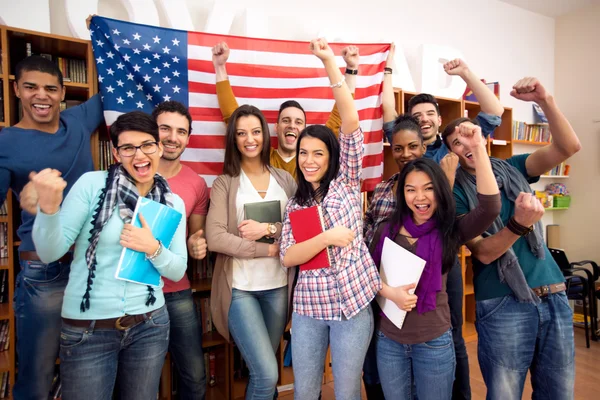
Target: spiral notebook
163 221
398 267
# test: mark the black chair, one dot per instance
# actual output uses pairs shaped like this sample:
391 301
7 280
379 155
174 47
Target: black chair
581 287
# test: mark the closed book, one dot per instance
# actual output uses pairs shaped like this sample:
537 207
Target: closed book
163 222
306 224
264 211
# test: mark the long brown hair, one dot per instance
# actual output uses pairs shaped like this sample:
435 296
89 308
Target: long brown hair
233 157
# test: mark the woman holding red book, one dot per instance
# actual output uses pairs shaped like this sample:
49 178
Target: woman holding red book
331 304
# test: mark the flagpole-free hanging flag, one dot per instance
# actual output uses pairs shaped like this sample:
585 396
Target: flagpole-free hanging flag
140 66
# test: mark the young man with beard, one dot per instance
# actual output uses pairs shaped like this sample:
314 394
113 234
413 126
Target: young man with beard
185 343
524 322
291 119
425 109
43 138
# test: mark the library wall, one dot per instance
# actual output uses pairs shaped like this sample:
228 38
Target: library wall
577 90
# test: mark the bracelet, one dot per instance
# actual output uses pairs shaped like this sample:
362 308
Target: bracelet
351 71
339 84
517 228
156 253
388 70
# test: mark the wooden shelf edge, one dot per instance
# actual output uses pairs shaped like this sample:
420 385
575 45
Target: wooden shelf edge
67 84
212 339
532 143
554 176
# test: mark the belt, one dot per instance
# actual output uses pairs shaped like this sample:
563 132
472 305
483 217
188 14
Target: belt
122 323
32 256
544 291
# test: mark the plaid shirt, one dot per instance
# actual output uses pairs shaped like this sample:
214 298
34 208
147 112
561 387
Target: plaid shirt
349 285
382 205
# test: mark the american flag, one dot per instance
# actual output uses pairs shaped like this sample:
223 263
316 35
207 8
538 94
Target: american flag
140 66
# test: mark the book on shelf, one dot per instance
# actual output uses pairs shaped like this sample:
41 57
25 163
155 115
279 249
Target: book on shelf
534 133
307 223
562 169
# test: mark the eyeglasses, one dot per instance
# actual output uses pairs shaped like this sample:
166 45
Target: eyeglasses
128 150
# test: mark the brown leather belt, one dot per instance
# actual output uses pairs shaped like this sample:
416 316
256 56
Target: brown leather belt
32 256
122 323
545 290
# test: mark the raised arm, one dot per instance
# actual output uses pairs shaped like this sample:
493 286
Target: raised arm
351 57
341 92
528 211
488 101
227 102
565 142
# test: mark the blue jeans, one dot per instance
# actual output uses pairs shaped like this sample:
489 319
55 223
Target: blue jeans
430 366
256 322
37 303
349 340
516 337
185 344
461 389
93 360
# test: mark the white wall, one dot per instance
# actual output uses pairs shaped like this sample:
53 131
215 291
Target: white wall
578 94
500 42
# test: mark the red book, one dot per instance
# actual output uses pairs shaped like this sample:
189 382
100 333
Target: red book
306 224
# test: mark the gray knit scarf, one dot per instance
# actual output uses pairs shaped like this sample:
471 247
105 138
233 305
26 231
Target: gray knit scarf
512 182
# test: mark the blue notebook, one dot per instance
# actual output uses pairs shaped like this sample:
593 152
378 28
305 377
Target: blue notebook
163 221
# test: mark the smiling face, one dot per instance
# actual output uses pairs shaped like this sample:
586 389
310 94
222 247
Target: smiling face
406 146
313 160
173 129
429 119
140 166
420 196
249 137
464 153
40 94
291 123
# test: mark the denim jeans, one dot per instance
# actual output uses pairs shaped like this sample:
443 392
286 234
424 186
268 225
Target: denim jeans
429 366
256 322
185 344
461 389
37 303
516 337
348 339
93 361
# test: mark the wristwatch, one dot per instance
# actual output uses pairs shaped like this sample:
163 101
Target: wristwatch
271 229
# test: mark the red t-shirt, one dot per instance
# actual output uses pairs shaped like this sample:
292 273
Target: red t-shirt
192 188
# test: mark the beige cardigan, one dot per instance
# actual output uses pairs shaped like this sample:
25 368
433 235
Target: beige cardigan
222 237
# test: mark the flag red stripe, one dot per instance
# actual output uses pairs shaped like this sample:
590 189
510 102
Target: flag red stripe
296 93
269 71
312 117
275 45
373 160
368 185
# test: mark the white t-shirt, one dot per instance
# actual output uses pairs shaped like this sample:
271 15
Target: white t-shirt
261 273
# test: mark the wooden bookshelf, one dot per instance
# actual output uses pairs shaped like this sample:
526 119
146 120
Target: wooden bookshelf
13 47
530 142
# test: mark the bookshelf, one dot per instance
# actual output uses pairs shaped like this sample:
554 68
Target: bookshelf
76 62
499 145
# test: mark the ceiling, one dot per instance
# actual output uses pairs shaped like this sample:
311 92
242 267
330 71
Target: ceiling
551 8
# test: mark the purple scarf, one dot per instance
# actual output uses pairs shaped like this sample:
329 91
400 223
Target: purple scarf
429 248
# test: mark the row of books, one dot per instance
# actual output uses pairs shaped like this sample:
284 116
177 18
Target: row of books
4 335
531 132
105 158
73 70
209 366
200 269
3 210
69 103
560 170
4 386
204 315
3 286
3 240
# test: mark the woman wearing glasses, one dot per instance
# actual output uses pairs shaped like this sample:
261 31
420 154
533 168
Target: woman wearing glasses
113 332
